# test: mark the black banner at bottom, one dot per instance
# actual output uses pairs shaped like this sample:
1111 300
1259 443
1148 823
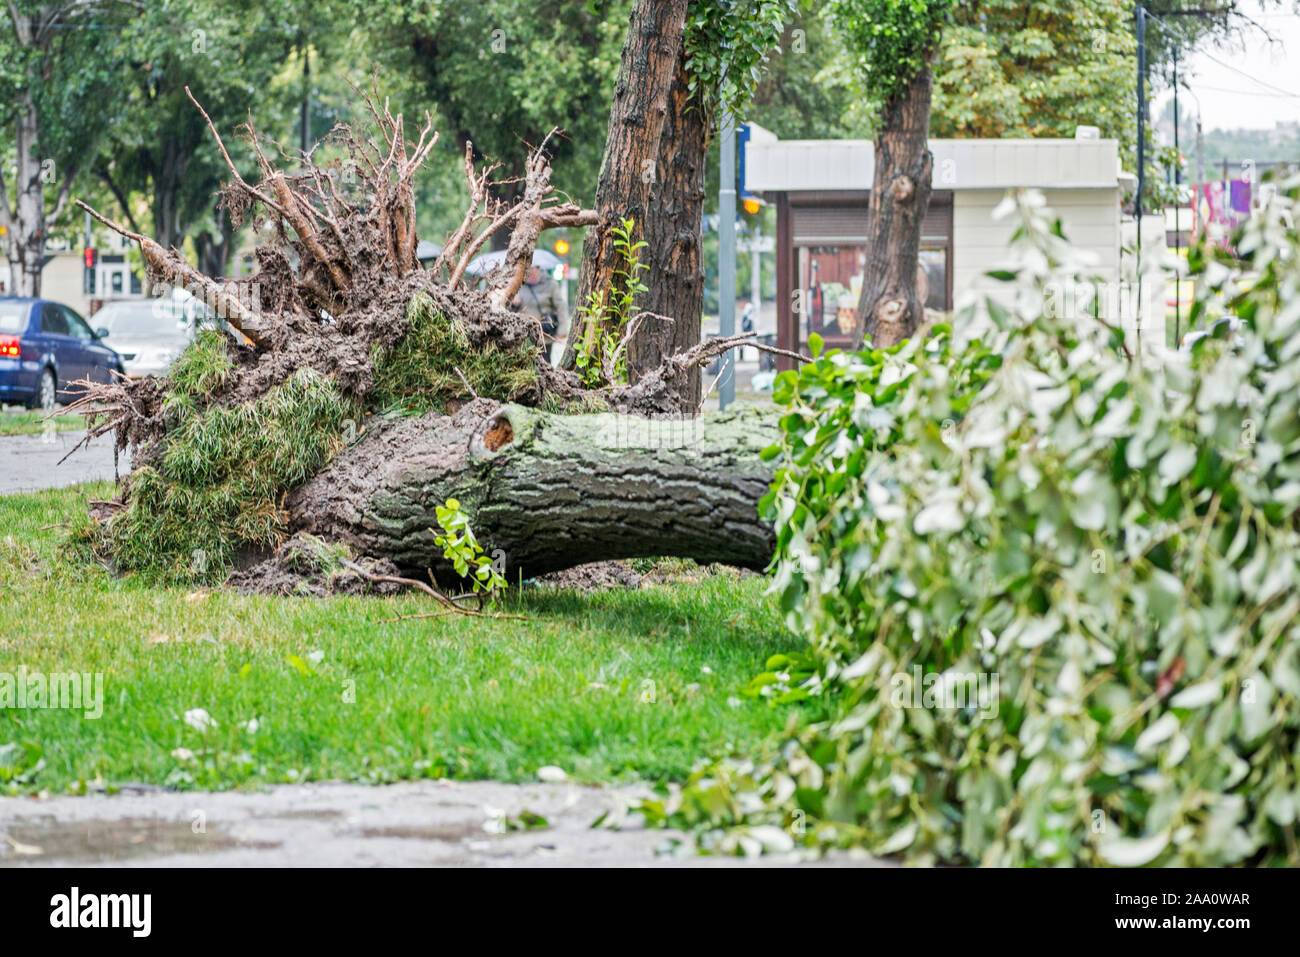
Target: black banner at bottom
136 906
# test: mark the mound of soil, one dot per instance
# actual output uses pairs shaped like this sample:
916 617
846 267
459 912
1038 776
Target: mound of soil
591 577
303 565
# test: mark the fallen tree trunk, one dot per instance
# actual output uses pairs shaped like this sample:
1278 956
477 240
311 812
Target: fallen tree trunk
261 471
550 491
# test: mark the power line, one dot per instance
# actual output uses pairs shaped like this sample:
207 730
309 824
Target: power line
1277 90
1223 89
1227 66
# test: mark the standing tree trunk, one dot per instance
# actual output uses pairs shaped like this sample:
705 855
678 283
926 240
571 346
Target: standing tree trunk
890 309
630 175
27 221
168 174
672 234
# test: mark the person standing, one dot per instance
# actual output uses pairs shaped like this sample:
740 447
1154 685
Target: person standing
540 296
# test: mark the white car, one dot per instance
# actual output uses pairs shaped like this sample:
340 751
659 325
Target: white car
148 333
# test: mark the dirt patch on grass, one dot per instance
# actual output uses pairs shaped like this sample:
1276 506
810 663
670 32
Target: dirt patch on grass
592 576
304 565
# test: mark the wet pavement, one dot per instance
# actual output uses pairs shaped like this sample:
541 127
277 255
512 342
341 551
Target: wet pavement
29 463
439 823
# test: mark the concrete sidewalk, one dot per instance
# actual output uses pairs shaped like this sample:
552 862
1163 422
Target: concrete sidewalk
426 823
29 463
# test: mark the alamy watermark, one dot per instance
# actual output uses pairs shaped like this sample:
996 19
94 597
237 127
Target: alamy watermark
655 432
948 689
1113 301
60 690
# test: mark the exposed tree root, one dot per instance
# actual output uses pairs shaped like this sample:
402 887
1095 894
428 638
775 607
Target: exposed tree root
339 294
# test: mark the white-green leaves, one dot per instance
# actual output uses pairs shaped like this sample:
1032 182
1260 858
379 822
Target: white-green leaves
1122 852
1176 463
1119 544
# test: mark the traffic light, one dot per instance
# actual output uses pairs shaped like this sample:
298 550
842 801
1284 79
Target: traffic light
88 274
562 247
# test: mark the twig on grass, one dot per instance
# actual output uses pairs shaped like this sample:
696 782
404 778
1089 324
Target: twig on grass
431 614
448 603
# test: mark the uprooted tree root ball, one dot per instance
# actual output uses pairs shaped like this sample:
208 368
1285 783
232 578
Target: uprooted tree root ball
341 331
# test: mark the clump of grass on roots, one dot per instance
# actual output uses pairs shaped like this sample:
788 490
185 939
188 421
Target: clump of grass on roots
202 368
419 373
217 485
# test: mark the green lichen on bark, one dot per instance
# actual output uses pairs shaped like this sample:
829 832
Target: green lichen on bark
552 491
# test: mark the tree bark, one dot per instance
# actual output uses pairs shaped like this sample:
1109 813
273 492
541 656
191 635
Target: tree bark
890 309
550 491
168 174
27 222
214 254
672 234
629 175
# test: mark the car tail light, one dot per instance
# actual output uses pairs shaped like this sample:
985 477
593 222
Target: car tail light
11 347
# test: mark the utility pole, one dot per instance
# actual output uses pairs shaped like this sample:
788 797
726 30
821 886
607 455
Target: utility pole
1178 203
727 257
1141 163
88 269
1142 124
305 133
1200 150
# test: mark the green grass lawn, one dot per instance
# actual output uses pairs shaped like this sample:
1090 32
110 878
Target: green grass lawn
16 421
613 685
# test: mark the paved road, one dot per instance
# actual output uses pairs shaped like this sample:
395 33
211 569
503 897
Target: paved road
31 462
441 823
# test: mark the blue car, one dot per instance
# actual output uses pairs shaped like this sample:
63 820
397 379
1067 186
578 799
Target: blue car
44 347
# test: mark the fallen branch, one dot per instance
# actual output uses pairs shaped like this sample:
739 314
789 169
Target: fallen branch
430 614
660 389
429 590
169 267
714 347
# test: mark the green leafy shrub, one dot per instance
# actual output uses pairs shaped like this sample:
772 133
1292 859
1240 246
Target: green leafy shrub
604 319
1112 549
461 548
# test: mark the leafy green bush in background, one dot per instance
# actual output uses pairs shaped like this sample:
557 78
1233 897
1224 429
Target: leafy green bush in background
1112 548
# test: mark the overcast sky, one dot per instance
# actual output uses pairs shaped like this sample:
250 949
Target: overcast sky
1245 85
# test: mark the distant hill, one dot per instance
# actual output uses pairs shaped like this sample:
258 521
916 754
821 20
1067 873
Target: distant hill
1265 148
